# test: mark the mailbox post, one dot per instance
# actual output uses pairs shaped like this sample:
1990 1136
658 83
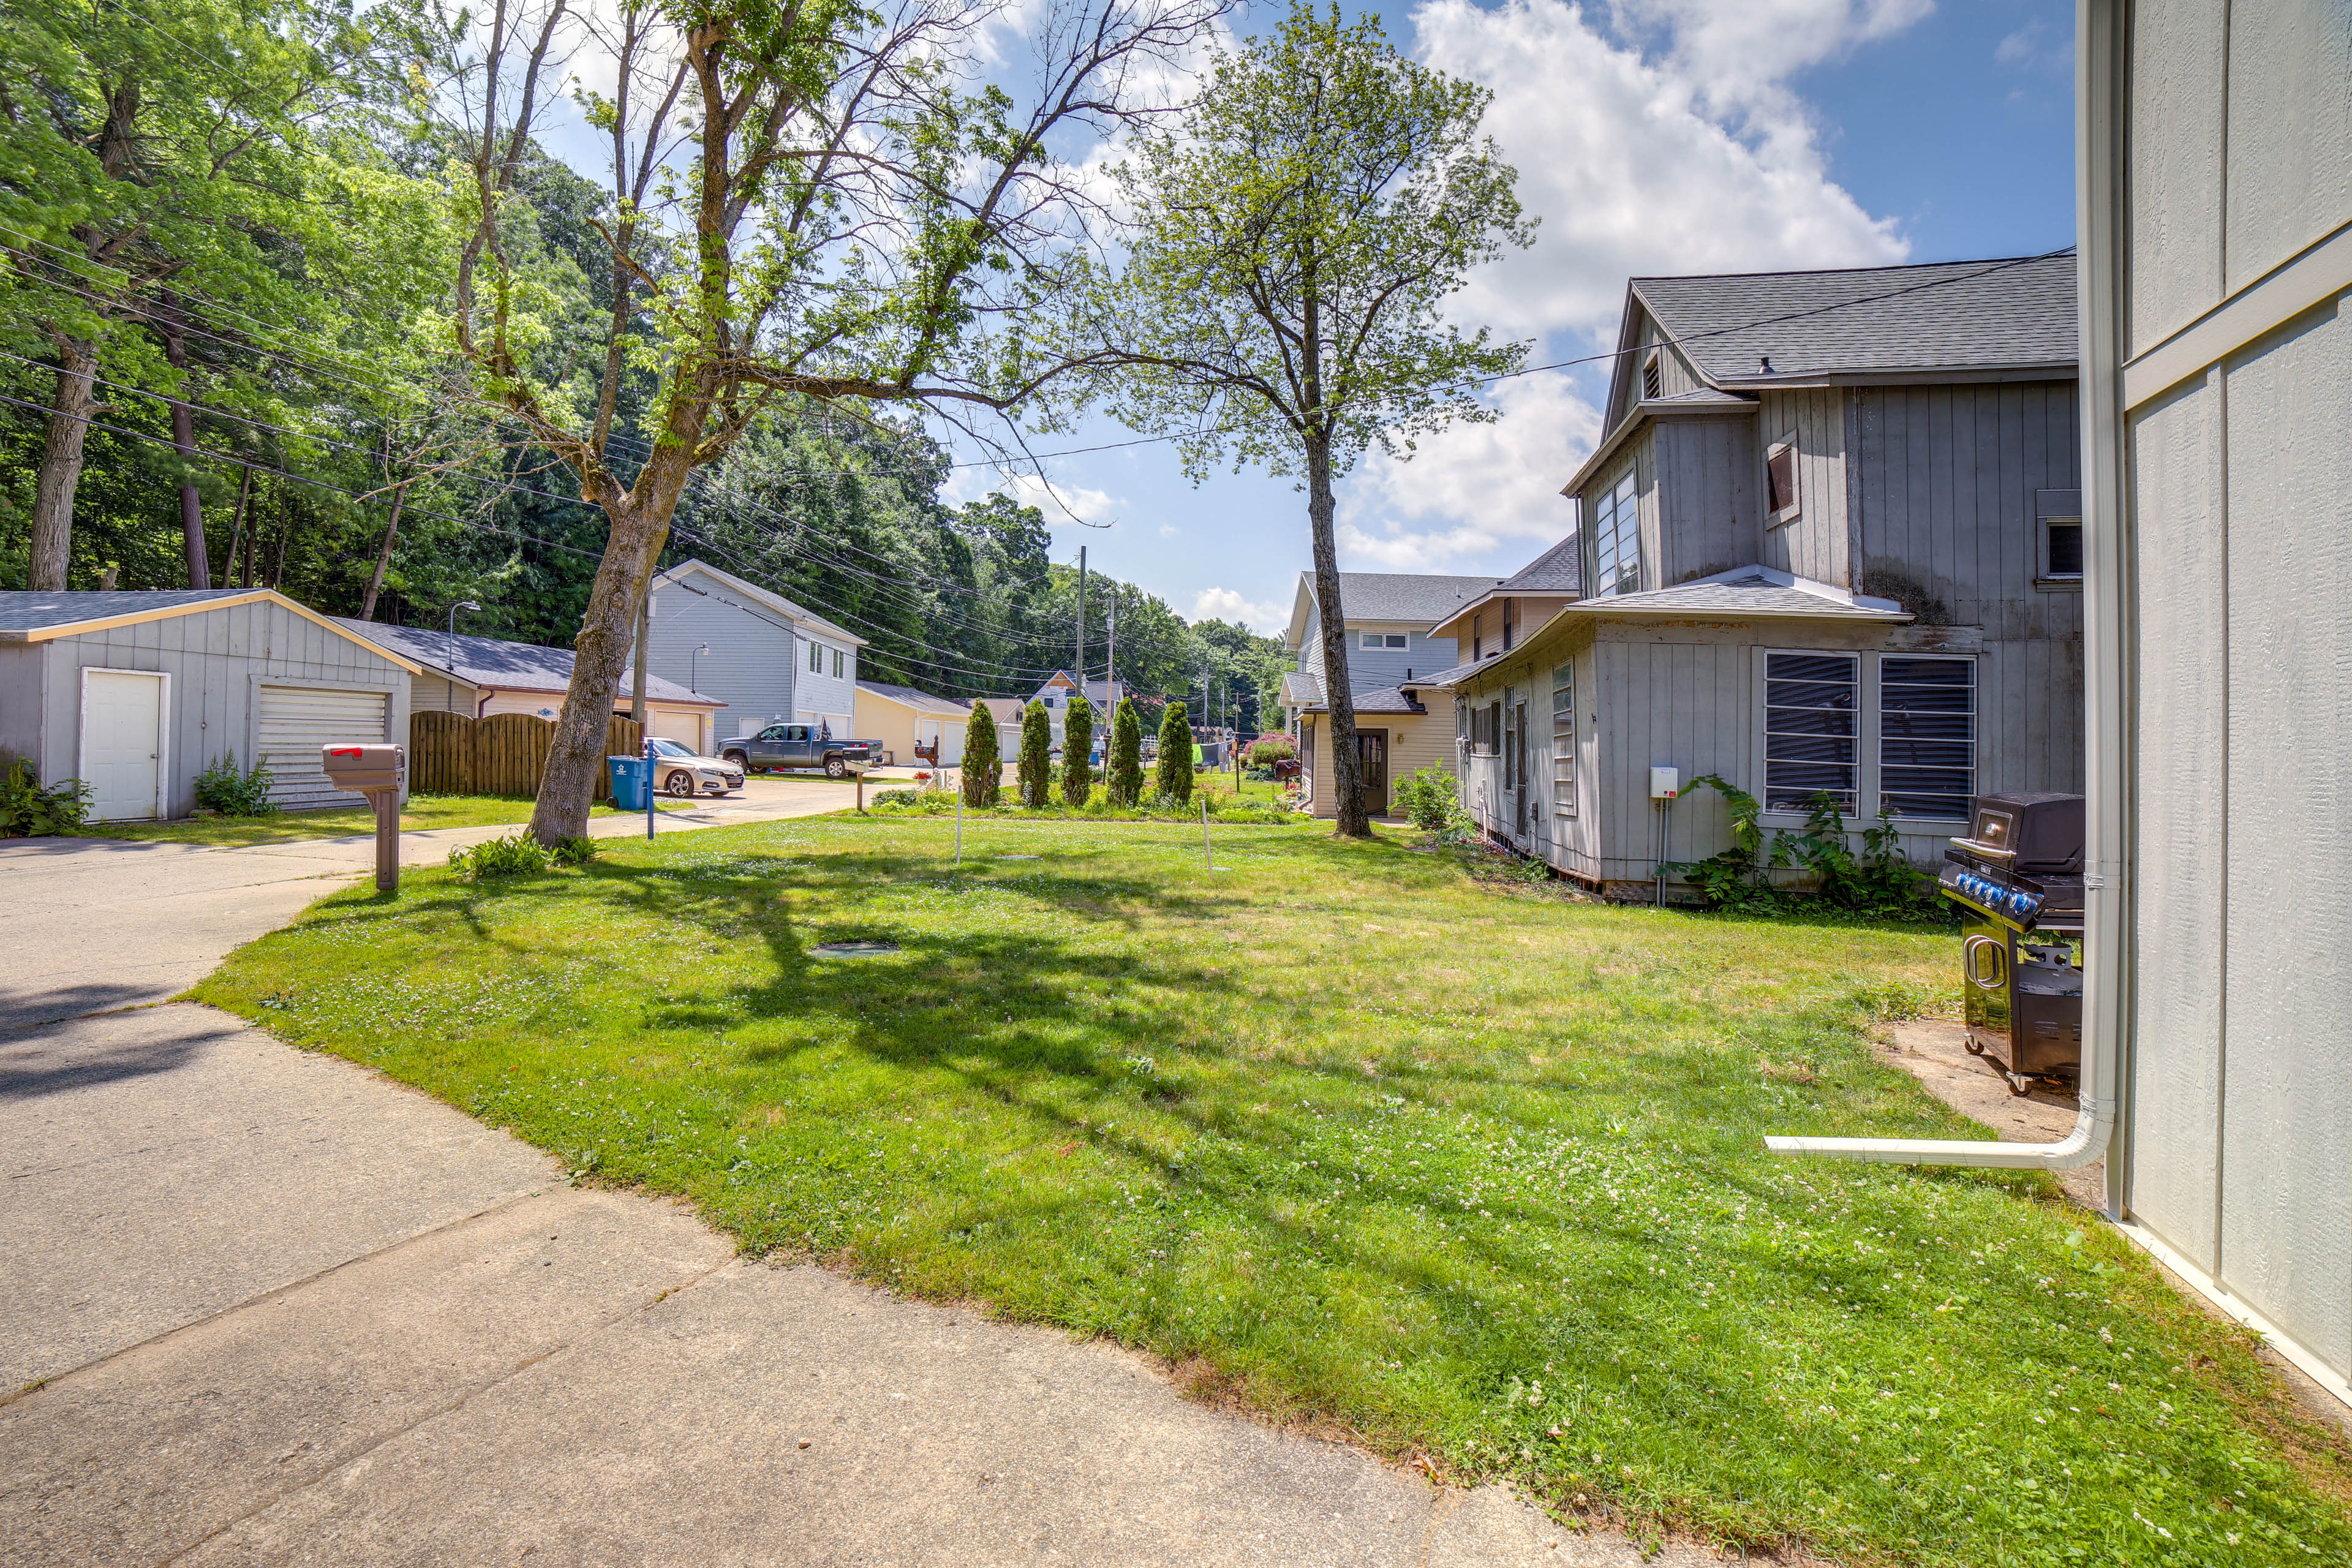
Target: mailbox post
375 771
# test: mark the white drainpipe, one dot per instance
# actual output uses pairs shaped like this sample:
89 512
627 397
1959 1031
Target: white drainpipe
2105 983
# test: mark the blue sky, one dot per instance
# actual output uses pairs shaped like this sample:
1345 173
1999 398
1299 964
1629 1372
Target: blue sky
1652 136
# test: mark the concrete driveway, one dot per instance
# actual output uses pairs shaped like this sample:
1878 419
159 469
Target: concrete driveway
265 1306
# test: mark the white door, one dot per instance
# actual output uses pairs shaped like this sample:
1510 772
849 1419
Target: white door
298 720
123 743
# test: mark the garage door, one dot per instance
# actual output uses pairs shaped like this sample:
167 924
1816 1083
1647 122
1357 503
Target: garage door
297 720
683 725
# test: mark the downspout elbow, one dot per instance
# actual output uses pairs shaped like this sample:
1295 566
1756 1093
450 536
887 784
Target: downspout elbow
2085 1143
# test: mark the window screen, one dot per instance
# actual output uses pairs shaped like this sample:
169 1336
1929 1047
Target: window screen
1928 736
1780 478
1812 732
1617 540
1563 739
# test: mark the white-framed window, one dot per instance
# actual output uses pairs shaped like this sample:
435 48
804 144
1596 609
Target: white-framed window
1780 496
817 659
1926 735
1563 739
1382 640
1617 539
2058 537
1812 729
1486 728
836 664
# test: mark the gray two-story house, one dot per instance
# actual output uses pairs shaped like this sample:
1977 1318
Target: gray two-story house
1830 543
768 659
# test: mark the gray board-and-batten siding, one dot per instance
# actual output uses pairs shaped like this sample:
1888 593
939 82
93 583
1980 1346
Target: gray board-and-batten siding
217 660
752 661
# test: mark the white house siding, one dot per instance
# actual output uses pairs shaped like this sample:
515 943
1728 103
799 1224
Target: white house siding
823 697
750 666
2217 168
217 660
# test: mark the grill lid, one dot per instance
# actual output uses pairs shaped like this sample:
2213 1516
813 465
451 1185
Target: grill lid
2035 833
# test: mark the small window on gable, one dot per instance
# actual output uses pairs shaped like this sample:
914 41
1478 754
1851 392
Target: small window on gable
1780 478
2058 520
1653 378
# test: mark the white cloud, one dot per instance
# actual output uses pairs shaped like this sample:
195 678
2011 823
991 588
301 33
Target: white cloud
2037 45
1698 160
1472 488
1226 604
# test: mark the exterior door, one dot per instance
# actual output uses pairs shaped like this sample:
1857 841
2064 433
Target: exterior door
123 743
1521 792
1372 749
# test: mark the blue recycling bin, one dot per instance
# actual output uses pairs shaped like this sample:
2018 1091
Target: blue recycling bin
628 782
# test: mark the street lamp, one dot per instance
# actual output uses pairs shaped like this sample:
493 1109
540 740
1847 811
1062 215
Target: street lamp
460 604
693 669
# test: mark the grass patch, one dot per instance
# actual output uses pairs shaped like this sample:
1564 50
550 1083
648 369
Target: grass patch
423 812
1473 1173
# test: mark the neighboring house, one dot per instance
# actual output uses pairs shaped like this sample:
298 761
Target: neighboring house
1387 616
2216 166
768 660
1007 712
1839 552
1103 695
482 676
898 719
135 693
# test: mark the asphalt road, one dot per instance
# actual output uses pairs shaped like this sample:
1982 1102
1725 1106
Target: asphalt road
266 1307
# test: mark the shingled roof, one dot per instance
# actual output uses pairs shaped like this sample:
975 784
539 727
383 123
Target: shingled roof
495 662
2000 314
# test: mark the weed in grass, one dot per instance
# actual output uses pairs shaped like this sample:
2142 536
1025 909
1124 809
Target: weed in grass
1477 1178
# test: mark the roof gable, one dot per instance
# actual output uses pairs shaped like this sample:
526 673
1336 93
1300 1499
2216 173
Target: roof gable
31 616
922 701
804 618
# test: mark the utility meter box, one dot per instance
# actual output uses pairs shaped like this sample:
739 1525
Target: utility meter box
1665 783
363 768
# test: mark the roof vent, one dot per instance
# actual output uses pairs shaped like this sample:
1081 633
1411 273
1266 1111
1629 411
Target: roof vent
1768 365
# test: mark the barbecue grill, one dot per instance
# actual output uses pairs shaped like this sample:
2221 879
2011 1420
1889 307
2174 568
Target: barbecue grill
2017 877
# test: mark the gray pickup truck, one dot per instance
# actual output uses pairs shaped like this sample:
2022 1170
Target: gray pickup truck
797 746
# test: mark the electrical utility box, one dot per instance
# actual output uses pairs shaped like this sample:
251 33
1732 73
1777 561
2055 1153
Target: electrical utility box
1665 783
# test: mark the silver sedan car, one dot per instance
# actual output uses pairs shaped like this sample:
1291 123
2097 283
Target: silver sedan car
678 772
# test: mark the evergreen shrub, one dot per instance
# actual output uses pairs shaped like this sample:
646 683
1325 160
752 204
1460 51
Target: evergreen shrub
1123 768
1078 746
983 765
1034 774
1176 756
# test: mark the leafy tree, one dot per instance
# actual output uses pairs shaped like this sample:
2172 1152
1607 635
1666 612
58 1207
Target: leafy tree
807 208
1077 748
1301 228
1034 773
1123 765
1175 755
187 186
984 767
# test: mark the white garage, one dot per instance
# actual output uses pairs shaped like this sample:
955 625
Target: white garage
135 693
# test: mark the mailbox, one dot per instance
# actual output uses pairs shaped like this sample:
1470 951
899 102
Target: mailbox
364 768
375 771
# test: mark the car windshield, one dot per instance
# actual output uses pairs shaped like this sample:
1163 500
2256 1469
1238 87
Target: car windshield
671 749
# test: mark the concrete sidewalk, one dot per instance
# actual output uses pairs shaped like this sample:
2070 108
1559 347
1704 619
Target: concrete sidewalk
265 1306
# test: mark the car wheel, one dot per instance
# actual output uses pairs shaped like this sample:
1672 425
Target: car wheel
834 768
679 784
737 758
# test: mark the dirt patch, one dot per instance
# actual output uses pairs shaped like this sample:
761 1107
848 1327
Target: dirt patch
1935 1051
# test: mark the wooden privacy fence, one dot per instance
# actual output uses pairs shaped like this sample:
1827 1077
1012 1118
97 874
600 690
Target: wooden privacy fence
456 753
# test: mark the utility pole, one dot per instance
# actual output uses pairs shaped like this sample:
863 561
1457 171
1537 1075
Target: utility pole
637 682
1111 658
1081 671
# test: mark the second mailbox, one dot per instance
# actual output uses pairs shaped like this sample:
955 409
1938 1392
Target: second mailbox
362 768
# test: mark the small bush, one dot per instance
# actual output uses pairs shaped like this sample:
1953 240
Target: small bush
898 798
222 788
1428 798
1034 776
577 850
1272 750
1123 765
29 808
517 855
1175 769
983 765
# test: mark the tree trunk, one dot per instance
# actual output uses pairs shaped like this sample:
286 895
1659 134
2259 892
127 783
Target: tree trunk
383 557
61 474
183 438
575 754
237 525
1347 767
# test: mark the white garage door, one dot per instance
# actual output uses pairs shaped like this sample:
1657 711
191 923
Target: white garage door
121 743
683 725
297 720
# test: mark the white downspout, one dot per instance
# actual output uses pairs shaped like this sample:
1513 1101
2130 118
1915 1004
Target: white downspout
2104 905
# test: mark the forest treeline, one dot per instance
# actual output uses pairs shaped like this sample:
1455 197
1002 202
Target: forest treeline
225 362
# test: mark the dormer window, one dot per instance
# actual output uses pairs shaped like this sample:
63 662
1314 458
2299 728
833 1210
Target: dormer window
1652 378
1780 478
1616 529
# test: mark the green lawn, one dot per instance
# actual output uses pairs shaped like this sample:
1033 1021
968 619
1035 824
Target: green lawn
423 811
1472 1172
